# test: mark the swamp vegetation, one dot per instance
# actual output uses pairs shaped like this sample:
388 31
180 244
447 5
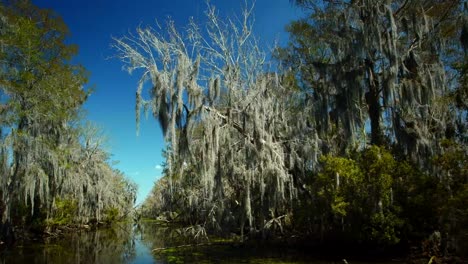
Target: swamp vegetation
54 170
128 243
350 138
354 135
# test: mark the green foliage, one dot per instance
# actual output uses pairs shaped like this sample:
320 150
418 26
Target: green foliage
393 200
338 181
64 212
368 87
51 166
38 78
457 216
453 164
384 228
453 194
43 94
358 195
416 193
111 215
379 167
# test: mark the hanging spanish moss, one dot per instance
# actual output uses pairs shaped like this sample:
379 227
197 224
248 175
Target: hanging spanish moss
362 114
381 72
54 171
220 105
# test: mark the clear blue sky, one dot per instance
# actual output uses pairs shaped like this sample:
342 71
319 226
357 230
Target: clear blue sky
112 106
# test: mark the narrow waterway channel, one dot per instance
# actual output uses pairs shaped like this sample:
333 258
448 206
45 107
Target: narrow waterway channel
128 243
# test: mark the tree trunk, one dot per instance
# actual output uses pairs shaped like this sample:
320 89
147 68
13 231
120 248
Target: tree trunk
373 103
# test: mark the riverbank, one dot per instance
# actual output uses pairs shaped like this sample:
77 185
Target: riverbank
129 243
233 252
42 233
191 246
156 241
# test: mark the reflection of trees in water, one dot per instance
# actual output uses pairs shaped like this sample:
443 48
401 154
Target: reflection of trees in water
154 235
121 245
115 245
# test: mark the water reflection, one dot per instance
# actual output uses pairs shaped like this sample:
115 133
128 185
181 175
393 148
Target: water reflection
128 243
113 245
123 243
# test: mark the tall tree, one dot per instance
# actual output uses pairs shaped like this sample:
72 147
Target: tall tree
41 93
52 167
225 118
378 67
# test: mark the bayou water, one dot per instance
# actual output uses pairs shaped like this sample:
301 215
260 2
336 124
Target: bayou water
130 243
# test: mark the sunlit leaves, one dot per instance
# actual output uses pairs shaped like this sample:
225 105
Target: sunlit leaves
360 191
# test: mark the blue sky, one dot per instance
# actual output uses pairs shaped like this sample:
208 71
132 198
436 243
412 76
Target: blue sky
112 106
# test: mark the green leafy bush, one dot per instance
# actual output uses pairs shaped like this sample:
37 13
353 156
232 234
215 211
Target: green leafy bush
64 212
357 195
111 215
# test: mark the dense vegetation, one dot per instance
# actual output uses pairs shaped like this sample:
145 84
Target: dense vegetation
355 133
54 170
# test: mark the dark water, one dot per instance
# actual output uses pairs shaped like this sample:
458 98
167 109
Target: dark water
127 243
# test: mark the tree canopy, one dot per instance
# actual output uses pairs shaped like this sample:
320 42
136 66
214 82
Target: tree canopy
50 162
345 137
